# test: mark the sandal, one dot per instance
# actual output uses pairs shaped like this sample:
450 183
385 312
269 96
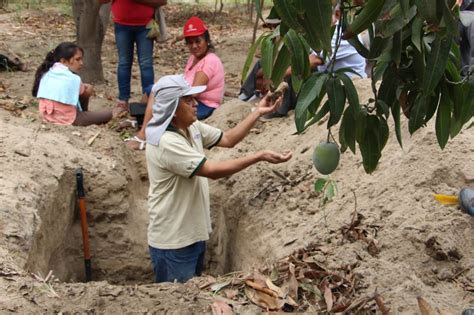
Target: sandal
135 143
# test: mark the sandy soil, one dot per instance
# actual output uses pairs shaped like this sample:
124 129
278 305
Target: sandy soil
259 215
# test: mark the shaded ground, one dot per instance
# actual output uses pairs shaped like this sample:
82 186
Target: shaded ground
259 216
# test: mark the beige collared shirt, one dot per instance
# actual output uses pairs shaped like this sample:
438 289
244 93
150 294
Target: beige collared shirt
178 201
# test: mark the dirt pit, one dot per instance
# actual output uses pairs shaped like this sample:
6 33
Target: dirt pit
117 221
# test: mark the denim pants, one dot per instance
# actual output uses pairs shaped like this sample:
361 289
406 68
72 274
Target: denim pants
126 37
204 111
179 264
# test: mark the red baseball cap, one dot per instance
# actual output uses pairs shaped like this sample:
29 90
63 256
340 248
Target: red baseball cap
194 27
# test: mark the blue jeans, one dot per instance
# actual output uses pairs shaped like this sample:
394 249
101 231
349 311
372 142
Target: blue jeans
179 264
125 37
203 111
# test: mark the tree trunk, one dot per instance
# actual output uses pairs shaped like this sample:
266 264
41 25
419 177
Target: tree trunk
3 3
90 32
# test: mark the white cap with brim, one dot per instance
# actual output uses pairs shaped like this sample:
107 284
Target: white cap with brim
167 92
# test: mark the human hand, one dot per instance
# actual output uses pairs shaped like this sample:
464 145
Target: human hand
274 157
266 105
88 90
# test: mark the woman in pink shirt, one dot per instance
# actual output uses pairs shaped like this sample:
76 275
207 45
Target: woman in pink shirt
203 68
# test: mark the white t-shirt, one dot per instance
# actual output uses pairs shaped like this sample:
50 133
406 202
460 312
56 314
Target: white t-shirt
178 201
347 57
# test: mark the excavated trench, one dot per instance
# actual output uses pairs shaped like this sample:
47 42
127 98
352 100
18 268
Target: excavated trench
117 221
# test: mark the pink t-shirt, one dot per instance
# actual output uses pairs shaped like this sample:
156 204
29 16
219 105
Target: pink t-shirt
212 67
129 12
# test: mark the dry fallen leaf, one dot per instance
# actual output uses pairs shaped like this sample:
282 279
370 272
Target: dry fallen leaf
221 308
263 300
425 307
328 298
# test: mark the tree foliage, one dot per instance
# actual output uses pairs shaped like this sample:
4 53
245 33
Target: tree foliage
413 51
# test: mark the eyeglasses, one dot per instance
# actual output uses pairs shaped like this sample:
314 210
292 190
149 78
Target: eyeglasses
191 41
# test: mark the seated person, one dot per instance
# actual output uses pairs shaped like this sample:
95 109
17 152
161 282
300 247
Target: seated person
63 98
467 36
347 56
203 67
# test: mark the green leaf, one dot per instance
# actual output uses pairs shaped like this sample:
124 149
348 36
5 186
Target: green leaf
361 125
448 17
347 69
288 13
319 184
347 131
258 8
427 9
377 46
419 66
284 28
282 63
351 92
432 102
397 48
436 63
370 145
361 49
388 87
383 133
416 28
383 108
417 114
321 113
405 6
336 98
267 57
395 20
251 54
330 191
396 120
299 56
443 118
310 90
318 14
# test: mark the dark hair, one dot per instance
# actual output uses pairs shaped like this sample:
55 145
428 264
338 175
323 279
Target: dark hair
207 38
64 50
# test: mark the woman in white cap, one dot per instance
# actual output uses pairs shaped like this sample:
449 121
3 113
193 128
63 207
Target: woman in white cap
178 199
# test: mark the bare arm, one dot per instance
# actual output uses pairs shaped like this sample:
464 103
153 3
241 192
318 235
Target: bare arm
233 136
219 169
200 78
314 61
152 3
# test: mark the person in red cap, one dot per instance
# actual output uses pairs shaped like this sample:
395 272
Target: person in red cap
203 67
